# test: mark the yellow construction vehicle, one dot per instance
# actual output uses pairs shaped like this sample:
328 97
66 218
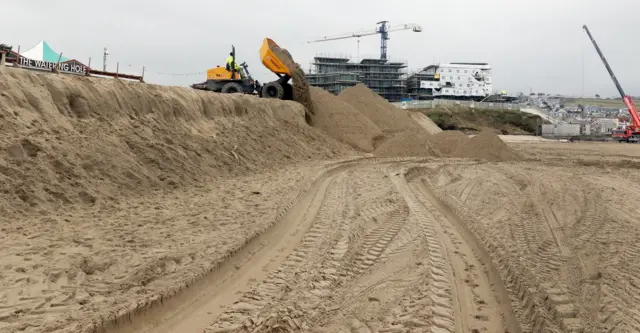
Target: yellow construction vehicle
239 80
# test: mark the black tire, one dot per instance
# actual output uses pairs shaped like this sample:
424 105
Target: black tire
232 88
288 92
272 90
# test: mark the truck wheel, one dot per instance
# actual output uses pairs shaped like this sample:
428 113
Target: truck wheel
272 90
231 88
288 91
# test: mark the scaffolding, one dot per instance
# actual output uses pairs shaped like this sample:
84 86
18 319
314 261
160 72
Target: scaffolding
414 91
335 73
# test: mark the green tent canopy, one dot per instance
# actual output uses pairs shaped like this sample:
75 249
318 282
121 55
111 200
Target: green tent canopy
43 52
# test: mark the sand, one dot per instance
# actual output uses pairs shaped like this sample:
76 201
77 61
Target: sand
425 122
342 121
447 142
549 228
408 143
69 140
487 146
133 208
382 113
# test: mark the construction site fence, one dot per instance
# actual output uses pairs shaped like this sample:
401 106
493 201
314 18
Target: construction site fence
433 103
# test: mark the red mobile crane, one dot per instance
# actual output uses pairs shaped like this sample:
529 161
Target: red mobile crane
631 133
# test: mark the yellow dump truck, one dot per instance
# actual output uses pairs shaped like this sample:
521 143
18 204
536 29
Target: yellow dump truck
223 80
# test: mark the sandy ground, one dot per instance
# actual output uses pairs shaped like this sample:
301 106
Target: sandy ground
565 235
272 227
375 245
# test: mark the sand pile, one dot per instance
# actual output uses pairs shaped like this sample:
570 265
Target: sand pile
448 142
416 142
425 122
68 139
487 146
342 121
382 113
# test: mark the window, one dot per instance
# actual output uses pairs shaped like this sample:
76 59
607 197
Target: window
449 70
465 70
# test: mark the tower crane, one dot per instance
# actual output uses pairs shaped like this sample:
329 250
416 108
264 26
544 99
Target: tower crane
383 29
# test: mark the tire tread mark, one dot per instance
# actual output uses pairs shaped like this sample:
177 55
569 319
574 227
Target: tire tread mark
546 307
441 314
278 281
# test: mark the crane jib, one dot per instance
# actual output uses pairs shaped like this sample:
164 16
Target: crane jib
383 30
633 130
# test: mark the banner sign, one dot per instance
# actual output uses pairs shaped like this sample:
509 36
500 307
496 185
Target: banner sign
68 67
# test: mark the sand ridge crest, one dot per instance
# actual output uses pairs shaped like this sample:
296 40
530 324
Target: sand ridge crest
74 140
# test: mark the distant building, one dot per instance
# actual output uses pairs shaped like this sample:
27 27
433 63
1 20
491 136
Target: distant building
560 129
334 74
455 80
604 125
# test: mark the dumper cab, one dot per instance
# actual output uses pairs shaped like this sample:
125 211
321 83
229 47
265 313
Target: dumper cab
222 80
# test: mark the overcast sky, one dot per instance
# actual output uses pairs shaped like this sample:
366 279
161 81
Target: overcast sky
537 45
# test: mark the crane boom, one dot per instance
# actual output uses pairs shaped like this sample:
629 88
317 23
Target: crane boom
633 130
368 32
606 63
383 30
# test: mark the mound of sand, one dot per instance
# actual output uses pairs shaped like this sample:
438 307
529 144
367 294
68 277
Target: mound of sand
415 142
448 142
425 122
341 121
70 139
487 146
382 113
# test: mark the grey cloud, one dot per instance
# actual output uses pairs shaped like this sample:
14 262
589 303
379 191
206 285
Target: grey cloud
531 44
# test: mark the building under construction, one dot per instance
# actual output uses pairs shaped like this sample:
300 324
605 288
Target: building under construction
335 73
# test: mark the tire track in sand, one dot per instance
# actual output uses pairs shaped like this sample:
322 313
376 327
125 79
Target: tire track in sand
280 279
479 302
197 306
555 228
542 306
339 260
440 315
482 302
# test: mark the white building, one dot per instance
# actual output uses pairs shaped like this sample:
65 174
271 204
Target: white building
605 125
459 79
560 129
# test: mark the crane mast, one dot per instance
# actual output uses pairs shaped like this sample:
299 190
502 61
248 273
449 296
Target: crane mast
383 29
